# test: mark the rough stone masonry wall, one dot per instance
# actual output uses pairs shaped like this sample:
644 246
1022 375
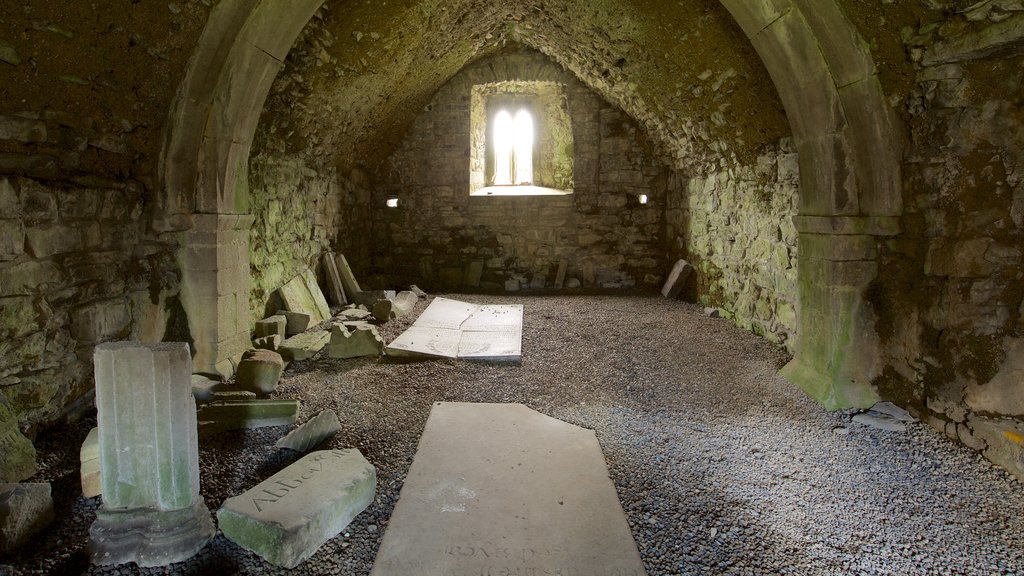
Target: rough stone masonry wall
952 289
735 226
608 239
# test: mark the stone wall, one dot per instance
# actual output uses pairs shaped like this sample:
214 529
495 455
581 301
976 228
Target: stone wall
300 213
438 231
735 226
951 293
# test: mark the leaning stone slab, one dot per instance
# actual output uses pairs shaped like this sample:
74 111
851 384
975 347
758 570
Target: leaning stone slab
288 516
305 345
355 343
302 294
334 286
348 279
25 509
152 513
312 433
239 414
259 371
677 279
89 457
893 410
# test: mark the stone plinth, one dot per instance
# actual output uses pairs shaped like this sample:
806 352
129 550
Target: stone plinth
288 516
152 513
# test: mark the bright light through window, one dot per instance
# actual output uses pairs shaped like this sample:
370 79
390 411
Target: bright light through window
392 202
513 148
642 198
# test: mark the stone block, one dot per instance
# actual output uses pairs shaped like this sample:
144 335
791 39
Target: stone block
288 516
152 513
357 342
404 303
348 279
308 436
334 286
370 297
25 509
259 371
17 455
305 345
89 458
275 325
272 343
249 413
383 310
676 281
295 323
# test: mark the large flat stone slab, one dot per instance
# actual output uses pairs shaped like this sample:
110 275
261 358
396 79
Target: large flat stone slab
302 294
453 329
501 489
288 516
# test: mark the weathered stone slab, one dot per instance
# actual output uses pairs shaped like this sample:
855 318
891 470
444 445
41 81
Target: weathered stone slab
383 310
354 314
89 457
880 421
295 323
17 455
25 509
488 332
356 342
348 279
273 325
259 371
288 516
890 409
305 345
233 395
308 436
426 342
334 285
677 279
152 513
302 294
239 414
501 489
474 271
563 266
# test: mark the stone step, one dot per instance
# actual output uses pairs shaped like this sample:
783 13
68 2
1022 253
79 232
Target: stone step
288 516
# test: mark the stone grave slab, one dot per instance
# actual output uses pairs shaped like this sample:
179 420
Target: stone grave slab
348 279
312 432
677 279
302 294
288 516
334 286
453 329
502 489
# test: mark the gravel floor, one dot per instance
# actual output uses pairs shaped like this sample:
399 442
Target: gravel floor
722 468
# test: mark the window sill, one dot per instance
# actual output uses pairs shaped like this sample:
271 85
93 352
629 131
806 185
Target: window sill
519 191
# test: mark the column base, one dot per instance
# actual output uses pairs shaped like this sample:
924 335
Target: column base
149 537
830 390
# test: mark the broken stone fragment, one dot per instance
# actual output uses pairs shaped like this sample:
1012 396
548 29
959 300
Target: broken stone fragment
417 291
203 387
404 303
288 516
89 457
371 297
512 285
239 414
880 421
233 395
9 55
305 345
259 371
356 342
274 325
712 313
271 343
354 314
538 282
677 279
295 323
382 310
312 433
25 509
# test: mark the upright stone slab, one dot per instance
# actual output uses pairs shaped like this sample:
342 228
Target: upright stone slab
152 512
348 279
288 516
334 286
563 266
89 458
677 279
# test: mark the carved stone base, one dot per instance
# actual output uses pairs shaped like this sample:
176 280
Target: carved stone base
147 536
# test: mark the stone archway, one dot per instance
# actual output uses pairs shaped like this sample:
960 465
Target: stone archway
849 144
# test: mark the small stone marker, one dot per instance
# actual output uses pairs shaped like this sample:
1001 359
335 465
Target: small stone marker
89 457
348 279
573 283
538 282
25 509
312 433
288 516
563 266
677 279
334 286
305 345
275 325
152 513
355 343
259 371
295 323
512 285
240 414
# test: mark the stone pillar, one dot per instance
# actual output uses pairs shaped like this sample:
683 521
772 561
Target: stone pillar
215 290
152 512
838 354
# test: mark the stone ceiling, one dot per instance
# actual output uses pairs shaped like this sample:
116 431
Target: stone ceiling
363 70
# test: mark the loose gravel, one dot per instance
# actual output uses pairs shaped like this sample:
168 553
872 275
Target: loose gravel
721 466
